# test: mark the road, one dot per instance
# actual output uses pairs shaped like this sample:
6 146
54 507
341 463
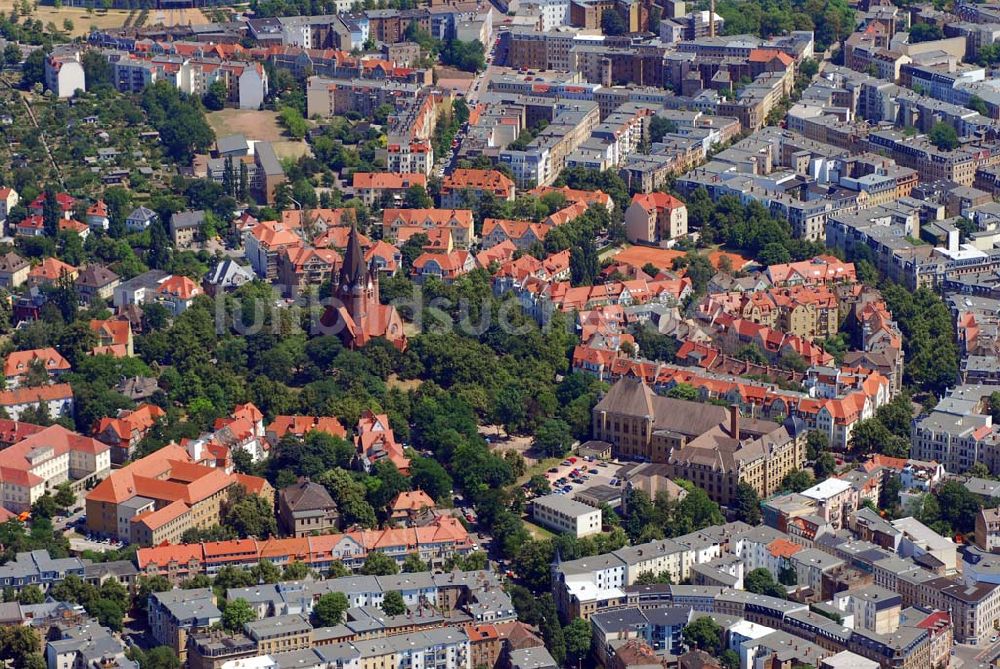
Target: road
446 164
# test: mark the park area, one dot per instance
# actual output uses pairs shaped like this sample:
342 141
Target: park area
84 21
257 125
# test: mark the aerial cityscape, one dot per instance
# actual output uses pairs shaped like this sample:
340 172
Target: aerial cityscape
499 334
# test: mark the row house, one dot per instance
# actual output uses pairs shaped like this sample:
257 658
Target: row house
434 543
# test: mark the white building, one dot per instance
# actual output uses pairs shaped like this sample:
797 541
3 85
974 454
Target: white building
64 73
918 539
552 13
566 515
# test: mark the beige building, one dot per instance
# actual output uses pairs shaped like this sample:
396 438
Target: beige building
655 218
280 634
175 614
725 456
988 530
306 508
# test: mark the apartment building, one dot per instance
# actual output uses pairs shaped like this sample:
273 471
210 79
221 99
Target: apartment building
655 218
174 615
572 123
280 634
64 74
465 187
458 222
124 432
385 189
988 530
559 513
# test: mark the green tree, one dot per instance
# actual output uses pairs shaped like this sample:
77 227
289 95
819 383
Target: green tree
577 635
730 659
65 497
30 594
684 391
295 571
977 104
161 657
249 515
797 480
747 505
613 23
379 564
583 263
329 609
925 32
413 564
393 604
943 136
553 438
658 127
704 634
237 614
417 198
761 582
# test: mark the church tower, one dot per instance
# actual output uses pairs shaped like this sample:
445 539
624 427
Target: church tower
357 287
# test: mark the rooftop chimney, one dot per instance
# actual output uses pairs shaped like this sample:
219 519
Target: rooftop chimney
734 421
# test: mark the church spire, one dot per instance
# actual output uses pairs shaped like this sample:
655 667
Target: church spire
353 269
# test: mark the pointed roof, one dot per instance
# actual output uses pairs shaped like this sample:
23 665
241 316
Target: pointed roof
353 269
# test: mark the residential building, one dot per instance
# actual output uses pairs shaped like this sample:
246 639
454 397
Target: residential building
13 270
185 227
96 282
64 74
306 508
124 432
457 221
465 187
385 189
20 364
175 615
655 218
433 543
40 462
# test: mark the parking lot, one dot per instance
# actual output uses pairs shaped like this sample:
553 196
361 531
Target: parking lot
588 474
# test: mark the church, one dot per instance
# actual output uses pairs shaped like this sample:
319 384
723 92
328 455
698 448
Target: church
356 315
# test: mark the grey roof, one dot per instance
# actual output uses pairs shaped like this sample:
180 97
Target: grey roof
142 213
563 504
275 625
619 621
189 607
186 219
402 582
268 159
231 143
532 658
96 276
117 568
225 273
307 496
299 659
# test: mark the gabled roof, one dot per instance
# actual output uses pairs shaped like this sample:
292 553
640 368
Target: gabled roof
19 362
307 496
50 269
